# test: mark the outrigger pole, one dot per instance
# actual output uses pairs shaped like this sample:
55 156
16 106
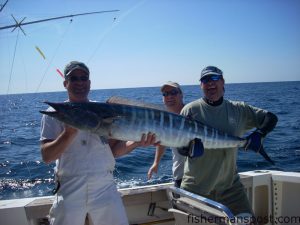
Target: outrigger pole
19 24
2 6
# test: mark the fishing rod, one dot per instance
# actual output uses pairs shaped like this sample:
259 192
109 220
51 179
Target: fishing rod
21 23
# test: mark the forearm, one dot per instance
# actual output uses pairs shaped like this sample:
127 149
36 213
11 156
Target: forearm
160 150
120 148
158 155
52 150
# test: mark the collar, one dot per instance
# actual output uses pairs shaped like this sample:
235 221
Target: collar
216 103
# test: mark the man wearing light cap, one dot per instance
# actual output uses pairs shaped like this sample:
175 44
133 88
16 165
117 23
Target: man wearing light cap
173 100
84 163
214 175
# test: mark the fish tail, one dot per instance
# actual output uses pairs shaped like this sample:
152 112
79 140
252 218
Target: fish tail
265 155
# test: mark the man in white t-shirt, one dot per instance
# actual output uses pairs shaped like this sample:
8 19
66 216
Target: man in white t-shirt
84 163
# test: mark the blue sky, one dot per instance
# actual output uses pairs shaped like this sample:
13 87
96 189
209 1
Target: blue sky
149 42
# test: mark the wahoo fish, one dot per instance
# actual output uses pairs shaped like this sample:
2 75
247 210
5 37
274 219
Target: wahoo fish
129 122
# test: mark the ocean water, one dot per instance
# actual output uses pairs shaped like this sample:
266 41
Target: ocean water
23 173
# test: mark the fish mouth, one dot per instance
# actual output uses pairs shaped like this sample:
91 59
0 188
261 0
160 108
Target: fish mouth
49 113
60 109
54 106
74 114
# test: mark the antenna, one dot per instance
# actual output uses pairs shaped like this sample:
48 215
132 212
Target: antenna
21 23
18 24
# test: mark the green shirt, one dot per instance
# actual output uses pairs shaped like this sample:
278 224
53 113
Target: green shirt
216 169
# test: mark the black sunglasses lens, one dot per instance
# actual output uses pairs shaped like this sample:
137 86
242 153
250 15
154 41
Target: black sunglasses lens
84 78
172 92
209 78
74 78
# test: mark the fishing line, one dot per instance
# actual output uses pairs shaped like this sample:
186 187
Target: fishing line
10 77
25 71
13 61
115 23
29 172
101 41
54 55
24 179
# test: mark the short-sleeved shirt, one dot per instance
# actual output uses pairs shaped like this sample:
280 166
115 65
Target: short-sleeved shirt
87 186
216 169
88 154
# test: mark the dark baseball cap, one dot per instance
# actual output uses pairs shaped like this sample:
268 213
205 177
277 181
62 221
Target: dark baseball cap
211 70
74 65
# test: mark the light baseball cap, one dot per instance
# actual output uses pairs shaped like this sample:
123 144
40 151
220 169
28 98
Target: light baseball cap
171 84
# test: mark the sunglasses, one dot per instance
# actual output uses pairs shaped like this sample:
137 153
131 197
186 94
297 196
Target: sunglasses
81 78
172 93
206 79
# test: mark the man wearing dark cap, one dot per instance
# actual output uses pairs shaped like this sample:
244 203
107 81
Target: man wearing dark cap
84 163
214 175
173 100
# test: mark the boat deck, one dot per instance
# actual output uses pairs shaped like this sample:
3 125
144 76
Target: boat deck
274 196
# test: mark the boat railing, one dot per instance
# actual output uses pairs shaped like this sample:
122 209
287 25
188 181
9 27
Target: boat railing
189 208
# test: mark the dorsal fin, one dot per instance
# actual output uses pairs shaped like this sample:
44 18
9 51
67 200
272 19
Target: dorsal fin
125 101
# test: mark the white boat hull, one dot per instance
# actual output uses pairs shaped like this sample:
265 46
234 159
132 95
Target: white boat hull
274 196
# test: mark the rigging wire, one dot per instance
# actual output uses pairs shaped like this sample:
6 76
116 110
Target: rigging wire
25 72
115 23
21 23
44 74
101 40
52 58
2 6
12 65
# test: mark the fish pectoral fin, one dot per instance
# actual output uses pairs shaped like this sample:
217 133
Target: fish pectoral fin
193 150
196 148
183 151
